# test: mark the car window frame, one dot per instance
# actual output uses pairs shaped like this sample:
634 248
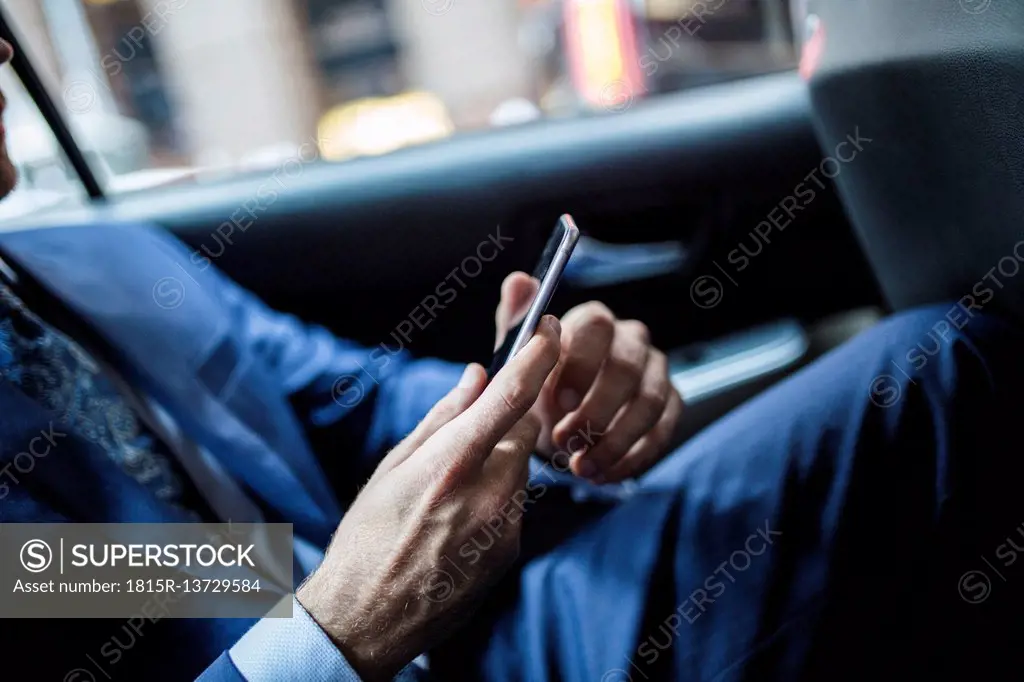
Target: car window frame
33 84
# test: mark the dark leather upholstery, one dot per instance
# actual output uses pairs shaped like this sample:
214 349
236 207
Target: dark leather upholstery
938 85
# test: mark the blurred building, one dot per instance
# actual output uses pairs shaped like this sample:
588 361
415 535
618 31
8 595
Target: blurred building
221 82
470 56
237 84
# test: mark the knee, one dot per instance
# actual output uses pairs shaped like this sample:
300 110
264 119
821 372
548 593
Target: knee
940 346
913 339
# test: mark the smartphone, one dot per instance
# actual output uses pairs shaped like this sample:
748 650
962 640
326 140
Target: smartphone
548 272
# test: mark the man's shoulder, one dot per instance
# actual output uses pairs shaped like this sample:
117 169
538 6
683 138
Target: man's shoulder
93 251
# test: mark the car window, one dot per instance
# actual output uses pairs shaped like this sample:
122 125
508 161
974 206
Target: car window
45 178
166 91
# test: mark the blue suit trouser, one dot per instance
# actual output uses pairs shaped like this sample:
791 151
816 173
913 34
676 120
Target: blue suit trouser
860 520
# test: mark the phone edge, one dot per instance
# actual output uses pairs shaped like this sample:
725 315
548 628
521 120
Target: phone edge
548 286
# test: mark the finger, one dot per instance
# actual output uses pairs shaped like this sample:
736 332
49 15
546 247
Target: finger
632 423
548 410
517 293
617 382
470 386
649 450
589 331
508 397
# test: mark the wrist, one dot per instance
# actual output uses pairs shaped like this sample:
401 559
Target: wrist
360 651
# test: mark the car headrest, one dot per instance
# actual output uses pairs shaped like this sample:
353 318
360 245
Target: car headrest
937 86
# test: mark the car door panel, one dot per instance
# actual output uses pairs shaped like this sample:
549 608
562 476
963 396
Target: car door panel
359 245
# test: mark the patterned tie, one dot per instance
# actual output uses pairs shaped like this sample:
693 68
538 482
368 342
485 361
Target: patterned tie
59 374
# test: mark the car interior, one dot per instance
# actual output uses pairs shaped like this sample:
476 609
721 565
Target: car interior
753 223
673 194
663 191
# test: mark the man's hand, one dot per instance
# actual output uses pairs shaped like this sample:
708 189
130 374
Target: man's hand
610 400
402 568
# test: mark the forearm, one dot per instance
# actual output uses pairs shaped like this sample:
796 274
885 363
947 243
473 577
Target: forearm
405 398
349 398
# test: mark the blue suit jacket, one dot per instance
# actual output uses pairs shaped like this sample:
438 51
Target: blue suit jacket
295 414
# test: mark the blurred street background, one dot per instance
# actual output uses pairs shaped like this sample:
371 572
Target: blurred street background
163 91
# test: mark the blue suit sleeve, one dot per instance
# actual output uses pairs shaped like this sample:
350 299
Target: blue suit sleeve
221 670
346 395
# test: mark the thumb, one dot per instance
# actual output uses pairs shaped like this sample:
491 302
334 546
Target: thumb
517 293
